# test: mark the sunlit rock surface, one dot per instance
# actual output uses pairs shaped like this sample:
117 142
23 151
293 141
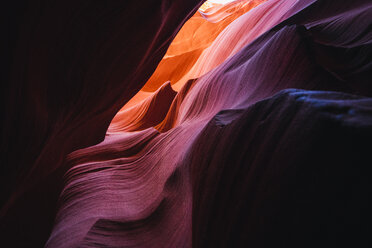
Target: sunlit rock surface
191 43
69 68
253 134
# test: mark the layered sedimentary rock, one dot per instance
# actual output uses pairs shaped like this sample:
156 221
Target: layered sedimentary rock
147 113
235 157
71 65
195 37
235 163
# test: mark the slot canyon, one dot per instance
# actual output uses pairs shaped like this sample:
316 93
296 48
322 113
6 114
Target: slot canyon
186 123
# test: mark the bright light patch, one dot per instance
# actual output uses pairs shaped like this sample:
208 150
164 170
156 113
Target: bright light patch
221 1
210 3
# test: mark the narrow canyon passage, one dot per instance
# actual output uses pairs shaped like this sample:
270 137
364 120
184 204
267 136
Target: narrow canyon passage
219 124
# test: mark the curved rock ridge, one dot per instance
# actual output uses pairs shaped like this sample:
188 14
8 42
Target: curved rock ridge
224 39
170 119
196 35
70 67
145 114
144 199
237 35
239 158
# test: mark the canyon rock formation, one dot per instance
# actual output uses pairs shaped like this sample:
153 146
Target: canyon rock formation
248 126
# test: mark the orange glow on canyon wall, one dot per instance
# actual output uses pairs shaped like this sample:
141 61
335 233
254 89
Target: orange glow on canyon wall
185 123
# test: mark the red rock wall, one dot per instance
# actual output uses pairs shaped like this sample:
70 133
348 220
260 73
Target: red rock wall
71 66
265 147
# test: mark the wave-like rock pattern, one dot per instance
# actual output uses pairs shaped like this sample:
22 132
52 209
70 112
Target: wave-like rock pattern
145 114
237 35
70 67
240 160
198 33
236 158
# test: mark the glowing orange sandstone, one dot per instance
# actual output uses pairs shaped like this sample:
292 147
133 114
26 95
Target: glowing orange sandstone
197 34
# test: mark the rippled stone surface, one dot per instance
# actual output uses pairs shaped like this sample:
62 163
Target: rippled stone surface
253 136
